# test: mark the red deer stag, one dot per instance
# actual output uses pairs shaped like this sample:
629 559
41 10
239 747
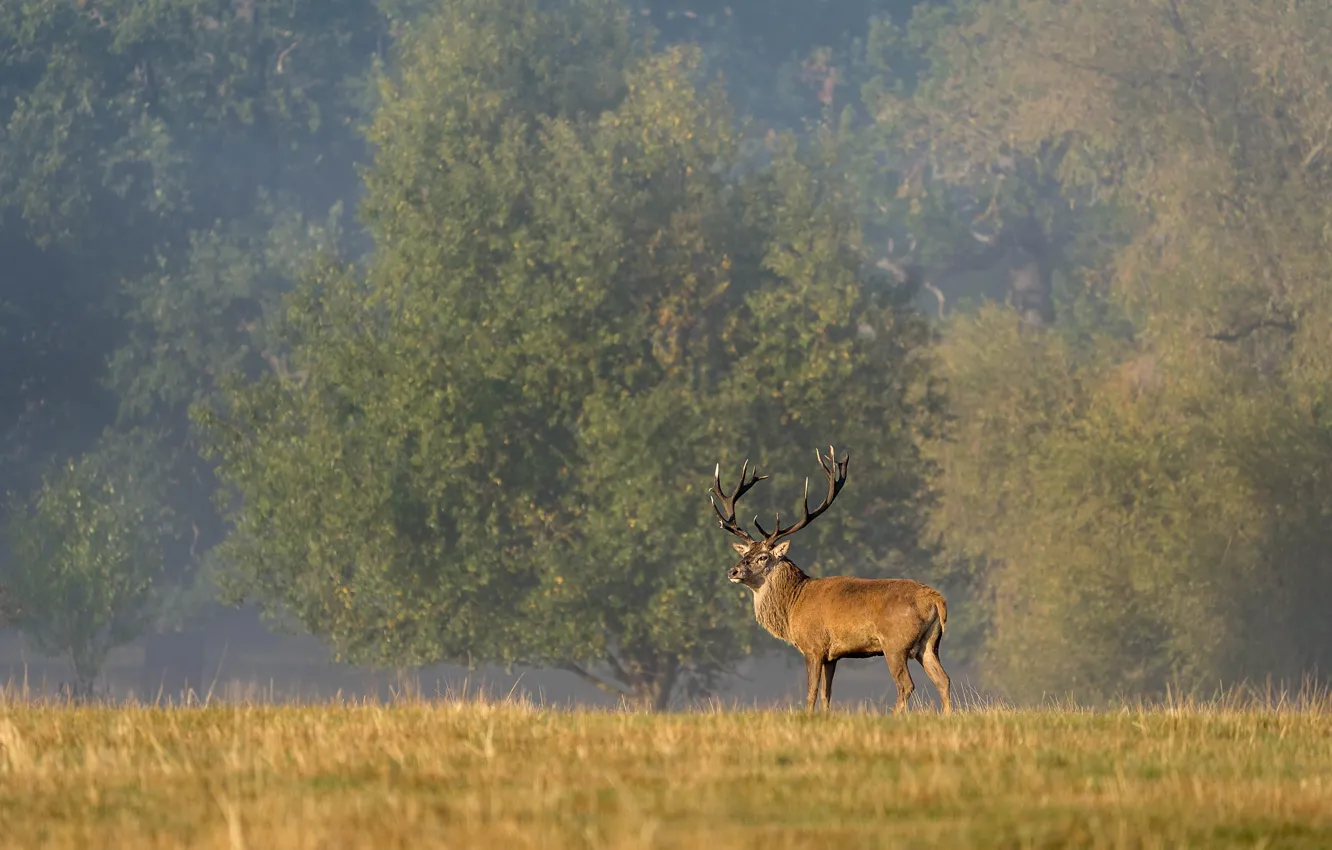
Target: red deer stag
837 617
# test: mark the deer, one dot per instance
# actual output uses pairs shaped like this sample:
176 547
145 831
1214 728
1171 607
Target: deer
835 617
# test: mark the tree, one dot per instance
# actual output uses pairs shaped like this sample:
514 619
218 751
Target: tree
164 169
135 136
495 442
784 61
967 214
1148 489
85 553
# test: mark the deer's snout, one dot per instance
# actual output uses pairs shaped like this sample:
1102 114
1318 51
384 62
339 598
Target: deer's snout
735 574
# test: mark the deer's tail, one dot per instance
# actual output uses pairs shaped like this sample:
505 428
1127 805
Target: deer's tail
933 599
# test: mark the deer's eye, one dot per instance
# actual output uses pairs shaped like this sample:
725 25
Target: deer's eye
762 558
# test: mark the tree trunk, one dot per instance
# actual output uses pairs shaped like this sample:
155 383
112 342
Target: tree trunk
86 669
653 692
1029 289
648 687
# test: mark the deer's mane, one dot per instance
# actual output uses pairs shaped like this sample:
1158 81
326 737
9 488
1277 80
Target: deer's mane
773 601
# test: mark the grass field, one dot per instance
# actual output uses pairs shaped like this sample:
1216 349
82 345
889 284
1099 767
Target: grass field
495 774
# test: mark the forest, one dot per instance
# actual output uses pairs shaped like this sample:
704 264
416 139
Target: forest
423 324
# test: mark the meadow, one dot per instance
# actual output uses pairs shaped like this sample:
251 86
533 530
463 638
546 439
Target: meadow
496 773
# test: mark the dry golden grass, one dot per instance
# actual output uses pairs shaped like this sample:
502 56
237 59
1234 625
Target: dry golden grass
498 774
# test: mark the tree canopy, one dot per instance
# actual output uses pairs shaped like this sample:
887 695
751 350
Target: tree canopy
158 167
1148 490
85 552
580 300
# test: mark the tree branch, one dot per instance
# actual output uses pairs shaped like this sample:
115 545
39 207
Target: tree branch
938 293
1248 330
621 672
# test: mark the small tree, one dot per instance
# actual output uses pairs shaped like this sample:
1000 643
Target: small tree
85 550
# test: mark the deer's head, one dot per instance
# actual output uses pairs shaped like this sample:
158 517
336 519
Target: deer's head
760 556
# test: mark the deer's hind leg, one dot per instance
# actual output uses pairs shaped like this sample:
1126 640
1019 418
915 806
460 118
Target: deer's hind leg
897 665
929 659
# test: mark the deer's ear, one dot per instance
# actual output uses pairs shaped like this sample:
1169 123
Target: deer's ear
742 548
779 551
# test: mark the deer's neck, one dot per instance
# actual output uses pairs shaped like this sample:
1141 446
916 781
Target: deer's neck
774 600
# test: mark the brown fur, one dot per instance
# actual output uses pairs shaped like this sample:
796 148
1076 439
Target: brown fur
828 619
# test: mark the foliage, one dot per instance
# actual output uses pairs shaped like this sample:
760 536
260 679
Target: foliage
129 125
573 311
163 168
783 61
211 316
123 113
1152 504
86 552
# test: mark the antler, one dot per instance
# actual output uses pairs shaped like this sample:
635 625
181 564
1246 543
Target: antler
835 471
727 520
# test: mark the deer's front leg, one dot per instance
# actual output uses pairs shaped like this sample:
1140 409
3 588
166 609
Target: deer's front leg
829 670
813 671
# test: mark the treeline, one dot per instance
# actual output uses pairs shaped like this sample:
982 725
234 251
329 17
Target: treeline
1050 272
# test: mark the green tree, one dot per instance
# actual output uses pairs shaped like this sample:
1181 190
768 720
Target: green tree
495 443
970 216
1148 490
784 61
163 169
122 116
208 313
86 552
